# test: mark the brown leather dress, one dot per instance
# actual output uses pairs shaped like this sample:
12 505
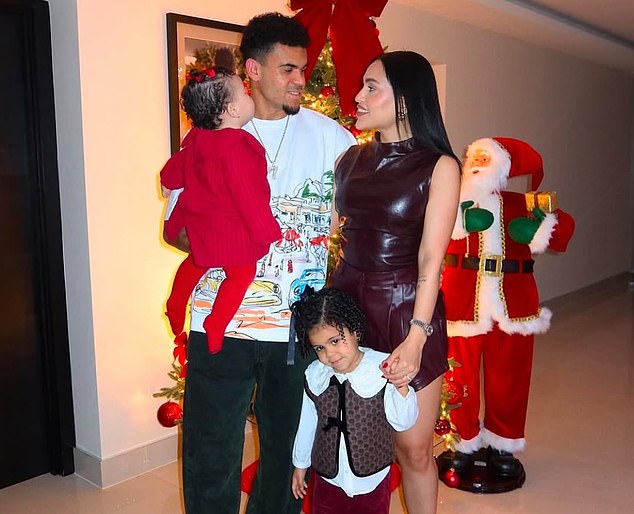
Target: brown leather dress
382 191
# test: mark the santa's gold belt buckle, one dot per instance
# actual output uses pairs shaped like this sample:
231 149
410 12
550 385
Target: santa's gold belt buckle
497 272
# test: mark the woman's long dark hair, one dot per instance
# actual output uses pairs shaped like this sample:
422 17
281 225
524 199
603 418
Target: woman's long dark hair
416 96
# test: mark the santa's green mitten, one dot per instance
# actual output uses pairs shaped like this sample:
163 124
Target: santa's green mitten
522 230
475 219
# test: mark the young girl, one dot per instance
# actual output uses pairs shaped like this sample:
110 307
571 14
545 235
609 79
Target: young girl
349 411
225 203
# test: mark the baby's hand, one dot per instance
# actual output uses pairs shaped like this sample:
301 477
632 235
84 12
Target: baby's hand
165 192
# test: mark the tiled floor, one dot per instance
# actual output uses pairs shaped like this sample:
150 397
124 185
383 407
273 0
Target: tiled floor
579 459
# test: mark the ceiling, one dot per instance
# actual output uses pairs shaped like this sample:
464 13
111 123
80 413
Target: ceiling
601 31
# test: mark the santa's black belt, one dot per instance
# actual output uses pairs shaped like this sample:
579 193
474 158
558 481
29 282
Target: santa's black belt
492 265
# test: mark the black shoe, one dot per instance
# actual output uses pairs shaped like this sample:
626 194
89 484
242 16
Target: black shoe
503 464
460 462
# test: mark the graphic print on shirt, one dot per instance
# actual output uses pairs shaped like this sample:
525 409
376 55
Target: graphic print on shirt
297 260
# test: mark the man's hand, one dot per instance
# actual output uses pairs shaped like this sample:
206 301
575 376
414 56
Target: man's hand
181 242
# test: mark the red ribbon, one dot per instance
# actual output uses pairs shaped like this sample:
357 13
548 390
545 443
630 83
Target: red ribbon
355 42
180 350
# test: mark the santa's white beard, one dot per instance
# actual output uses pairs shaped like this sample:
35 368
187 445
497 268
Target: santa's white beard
482 185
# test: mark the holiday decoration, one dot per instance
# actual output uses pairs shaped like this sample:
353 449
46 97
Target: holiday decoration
450 396
546 201
177 374
442 427
354 39
169 414
493 310
451 478
453 390
180 352
327 91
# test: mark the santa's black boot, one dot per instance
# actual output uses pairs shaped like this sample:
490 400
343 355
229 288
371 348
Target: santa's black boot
503 464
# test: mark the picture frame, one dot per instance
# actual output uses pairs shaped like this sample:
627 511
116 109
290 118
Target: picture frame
196 42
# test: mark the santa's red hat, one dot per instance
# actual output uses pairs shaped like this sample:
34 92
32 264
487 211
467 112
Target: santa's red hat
524 160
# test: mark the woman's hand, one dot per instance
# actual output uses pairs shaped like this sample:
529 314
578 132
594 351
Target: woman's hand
298 483
404 362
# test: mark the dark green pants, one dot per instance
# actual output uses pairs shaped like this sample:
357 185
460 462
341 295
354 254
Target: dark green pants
217 395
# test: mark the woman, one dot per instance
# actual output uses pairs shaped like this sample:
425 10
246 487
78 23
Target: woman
397 198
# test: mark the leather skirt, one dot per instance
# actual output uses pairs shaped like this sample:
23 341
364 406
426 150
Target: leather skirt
387 299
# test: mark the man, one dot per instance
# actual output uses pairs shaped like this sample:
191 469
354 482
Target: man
301 149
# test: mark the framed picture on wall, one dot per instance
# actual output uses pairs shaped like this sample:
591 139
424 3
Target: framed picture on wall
196 43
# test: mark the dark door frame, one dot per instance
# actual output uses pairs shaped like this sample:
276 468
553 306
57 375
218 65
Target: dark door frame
47 229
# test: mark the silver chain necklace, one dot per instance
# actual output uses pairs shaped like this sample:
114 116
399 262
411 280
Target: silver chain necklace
272 167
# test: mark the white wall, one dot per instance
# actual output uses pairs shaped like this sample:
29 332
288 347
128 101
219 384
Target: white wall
113 137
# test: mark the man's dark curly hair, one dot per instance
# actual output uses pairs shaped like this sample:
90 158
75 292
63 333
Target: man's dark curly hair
205 96
266 30
328 306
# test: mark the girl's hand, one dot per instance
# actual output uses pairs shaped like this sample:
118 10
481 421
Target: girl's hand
298 484
404 362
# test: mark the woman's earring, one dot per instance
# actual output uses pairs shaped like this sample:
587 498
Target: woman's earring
401 116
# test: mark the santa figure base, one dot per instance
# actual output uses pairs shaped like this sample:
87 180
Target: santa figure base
477 477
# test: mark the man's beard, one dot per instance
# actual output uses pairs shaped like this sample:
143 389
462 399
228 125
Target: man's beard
290 109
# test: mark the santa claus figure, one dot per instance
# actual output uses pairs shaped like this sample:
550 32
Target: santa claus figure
492 304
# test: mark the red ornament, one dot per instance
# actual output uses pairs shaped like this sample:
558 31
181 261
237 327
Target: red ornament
454 391
327 91
442 427
169 414
451 478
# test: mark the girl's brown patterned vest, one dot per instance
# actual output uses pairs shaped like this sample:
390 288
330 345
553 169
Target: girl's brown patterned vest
363 424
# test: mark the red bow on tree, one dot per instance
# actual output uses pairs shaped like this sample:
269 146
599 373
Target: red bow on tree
355 42
180 352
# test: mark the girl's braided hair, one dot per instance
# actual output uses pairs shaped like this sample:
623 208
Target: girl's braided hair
205 96
328 306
